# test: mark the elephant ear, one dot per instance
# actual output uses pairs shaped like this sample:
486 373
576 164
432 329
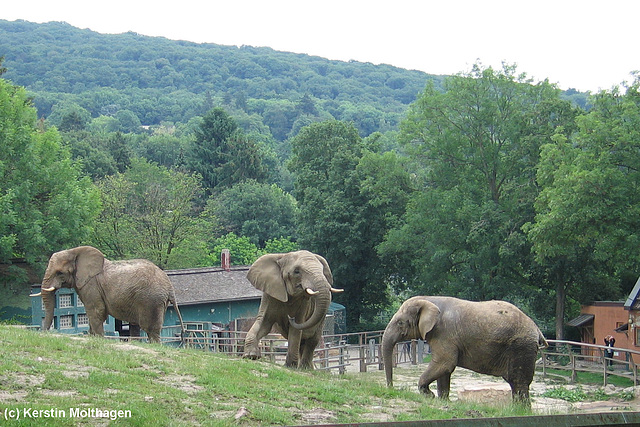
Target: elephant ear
428 316
265 275
89 263
325 269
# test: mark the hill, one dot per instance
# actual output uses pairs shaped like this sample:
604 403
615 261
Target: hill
166 386
162 80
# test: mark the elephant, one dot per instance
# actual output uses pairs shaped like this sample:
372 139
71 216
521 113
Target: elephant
297 289
136 291
488 337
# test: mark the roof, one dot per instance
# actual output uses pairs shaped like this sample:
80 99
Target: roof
212 284
632 302
581 320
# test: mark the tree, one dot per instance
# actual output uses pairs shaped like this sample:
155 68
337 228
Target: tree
45 203
255 210
474 147
586 225
149 211
221 153
339 216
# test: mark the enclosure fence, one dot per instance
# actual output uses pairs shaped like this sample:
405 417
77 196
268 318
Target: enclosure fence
362 351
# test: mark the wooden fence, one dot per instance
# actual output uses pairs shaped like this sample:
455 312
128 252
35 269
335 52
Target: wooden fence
362 350
577 357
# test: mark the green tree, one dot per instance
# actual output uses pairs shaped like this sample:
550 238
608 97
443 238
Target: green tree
45 204
222 154
242 251
149 211
475 148
255 210
339 217
586 226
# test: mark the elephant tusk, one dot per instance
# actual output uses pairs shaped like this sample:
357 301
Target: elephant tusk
36 295
311 291
337 290
51 289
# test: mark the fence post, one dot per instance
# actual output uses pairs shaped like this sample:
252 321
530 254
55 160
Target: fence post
420 351
604 368
574 373
414 360
363 364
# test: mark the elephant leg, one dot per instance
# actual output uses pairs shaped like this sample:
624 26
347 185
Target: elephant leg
307 349
96 321
444 385
152 324
293 350
435 371
96 326
259 329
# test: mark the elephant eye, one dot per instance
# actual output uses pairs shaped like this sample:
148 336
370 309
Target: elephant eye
296 271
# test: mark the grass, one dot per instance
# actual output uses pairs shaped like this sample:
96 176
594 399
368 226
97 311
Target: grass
166 386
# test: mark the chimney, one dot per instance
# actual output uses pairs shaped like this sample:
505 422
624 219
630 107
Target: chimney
226 259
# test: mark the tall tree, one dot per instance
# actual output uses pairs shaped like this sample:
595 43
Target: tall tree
222 154
475 147
337 219
149 211
255 210
45 204
586 227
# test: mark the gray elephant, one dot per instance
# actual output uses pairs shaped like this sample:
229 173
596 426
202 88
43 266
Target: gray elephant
296 295
135 291
490 337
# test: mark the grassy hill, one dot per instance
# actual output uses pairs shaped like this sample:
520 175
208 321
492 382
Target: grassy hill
72 378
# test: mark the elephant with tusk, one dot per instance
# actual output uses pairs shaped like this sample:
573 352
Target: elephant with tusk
135 291
488 337
297 289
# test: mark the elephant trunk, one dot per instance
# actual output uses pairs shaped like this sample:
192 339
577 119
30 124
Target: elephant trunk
389 341
49 302
322 299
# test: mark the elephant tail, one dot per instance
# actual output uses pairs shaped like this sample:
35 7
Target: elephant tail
175 306
542 341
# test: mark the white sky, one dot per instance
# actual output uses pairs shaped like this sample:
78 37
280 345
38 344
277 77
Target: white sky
584 44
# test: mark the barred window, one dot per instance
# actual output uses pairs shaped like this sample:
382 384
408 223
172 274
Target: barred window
79 302
83 319
65 301
66 322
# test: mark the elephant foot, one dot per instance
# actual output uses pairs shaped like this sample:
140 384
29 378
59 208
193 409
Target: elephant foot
251 354
424 389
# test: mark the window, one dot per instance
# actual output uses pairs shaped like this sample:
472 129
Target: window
66 322
65 301
83 319
79 302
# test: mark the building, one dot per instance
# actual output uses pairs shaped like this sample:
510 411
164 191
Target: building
616 318
69 314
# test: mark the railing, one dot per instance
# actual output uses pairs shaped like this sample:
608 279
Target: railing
340 352
582 357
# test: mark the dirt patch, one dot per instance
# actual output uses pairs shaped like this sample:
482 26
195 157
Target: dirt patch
462 380
185 383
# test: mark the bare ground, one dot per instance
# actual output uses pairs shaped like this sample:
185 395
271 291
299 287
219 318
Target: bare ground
469 385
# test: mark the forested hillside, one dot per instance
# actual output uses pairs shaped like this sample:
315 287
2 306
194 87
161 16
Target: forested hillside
482 185
161 80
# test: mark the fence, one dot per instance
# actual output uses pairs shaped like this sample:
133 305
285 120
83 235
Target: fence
582 357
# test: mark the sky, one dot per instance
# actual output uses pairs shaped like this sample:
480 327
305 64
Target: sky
587 45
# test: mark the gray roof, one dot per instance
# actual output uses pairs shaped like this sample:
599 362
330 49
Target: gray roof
212 284
632 302
581 320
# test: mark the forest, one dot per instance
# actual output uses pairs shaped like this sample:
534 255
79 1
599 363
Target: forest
482 185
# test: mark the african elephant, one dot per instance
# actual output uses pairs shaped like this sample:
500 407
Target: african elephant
296 295
135 291
490 337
